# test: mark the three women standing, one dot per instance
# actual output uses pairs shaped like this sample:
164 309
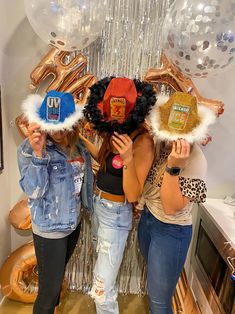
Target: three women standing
52 173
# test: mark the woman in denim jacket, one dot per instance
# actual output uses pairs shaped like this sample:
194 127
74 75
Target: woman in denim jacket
117 108
56 175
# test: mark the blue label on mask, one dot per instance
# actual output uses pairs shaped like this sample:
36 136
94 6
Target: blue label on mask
53 109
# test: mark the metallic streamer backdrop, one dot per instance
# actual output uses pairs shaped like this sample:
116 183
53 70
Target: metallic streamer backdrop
130 44
131 40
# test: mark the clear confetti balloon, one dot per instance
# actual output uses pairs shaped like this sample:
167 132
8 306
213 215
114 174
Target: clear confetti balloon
67 24
199 36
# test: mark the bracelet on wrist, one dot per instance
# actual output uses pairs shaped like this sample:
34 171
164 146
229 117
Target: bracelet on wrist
173 171
127 163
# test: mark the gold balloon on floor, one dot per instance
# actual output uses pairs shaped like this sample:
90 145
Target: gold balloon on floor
18 275
20 217
18 278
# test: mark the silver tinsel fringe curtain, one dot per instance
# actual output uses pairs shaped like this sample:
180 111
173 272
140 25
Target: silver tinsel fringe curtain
129 45
132 275
131 40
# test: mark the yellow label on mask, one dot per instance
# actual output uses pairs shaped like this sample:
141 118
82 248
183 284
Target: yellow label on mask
178 116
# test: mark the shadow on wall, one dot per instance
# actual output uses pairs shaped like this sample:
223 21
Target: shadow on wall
21 54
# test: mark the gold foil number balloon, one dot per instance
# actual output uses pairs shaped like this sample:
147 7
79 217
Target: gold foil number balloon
17 277
67 24
67 77
199 36
170 75
20 217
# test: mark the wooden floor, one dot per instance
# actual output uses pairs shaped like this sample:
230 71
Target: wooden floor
77 303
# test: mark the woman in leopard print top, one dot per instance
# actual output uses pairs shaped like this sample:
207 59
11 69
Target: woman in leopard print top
174 183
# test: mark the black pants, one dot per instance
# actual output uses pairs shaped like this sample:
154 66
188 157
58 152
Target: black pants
52 257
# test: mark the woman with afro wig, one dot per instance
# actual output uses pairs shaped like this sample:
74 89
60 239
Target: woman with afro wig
117 108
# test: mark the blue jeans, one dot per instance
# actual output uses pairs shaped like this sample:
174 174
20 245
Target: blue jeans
111 223
164 247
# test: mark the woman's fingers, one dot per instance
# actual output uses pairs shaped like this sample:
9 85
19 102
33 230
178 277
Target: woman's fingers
123 137
188 149
123 144
126 138
121 141
37 137
181 147
118 142
173 149
179 154
35 140
178 147
36 134
185 148
117 147
33 127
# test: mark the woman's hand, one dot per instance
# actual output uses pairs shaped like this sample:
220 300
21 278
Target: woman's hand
36 138
179 154
94 151
82 137
136 212
123 144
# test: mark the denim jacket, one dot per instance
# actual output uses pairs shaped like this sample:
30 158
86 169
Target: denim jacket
49 184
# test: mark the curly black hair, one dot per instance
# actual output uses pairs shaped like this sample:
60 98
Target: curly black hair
136 117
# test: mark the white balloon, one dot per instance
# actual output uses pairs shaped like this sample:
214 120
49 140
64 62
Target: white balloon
199 36
67 24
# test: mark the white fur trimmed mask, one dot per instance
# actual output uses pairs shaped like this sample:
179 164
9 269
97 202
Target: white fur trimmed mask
179 116
56 112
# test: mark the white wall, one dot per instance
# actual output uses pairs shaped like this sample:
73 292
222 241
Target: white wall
220 152
20 51
5 236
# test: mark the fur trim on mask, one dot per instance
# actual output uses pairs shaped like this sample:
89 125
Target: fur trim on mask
144 103
30 107
207 117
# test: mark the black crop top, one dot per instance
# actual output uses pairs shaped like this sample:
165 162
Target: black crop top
109 179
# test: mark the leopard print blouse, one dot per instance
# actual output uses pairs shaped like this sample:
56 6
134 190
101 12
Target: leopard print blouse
191 184
194 189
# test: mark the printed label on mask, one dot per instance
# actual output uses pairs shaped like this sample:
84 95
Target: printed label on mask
117 108
53 109
178 116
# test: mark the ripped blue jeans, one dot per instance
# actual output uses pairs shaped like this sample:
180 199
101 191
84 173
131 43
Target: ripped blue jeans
111 223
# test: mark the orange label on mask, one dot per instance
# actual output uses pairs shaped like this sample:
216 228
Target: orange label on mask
117 108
